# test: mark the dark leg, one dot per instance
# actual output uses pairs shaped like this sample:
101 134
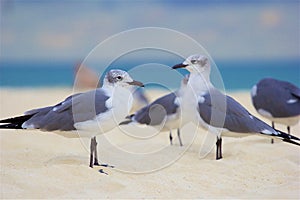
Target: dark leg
95 152
219 148
179 138
289 129
91 153
273 126
94 160
171 138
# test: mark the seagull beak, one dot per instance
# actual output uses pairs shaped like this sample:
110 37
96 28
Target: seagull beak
137 83
181 65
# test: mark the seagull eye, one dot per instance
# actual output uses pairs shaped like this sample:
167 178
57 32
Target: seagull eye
119 77
193 61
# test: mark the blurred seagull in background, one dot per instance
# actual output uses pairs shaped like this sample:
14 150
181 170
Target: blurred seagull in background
217 112
84 114
278 101
163 113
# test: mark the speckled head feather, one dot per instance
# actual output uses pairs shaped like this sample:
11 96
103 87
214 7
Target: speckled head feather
115 75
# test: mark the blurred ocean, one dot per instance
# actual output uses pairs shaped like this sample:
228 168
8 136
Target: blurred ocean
236 75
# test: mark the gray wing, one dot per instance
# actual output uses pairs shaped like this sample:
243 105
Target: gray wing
223 111
76 108
157 111
47 109
280 98
295 91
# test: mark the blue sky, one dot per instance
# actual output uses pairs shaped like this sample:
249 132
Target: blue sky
69 30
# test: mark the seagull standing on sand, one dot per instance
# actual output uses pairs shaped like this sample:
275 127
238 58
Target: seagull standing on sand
84 114
220 113
162 113
277 100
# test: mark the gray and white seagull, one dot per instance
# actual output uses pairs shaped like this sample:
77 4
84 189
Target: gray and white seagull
277 100
217 112
163 113
84 114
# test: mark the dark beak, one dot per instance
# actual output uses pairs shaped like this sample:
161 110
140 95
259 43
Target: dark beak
179 66
137 83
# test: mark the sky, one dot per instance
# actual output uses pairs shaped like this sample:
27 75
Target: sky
69 30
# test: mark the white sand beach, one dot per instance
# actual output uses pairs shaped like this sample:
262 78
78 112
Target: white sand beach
37 164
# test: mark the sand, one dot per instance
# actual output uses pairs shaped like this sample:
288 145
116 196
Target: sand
37 164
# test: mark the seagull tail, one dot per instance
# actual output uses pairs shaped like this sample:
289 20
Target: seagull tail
15 122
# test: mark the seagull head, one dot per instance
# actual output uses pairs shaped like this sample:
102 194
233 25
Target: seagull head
195 64
116 77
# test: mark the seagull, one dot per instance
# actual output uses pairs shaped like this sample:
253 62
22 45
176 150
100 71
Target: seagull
84 114
163 113
219 113
277 100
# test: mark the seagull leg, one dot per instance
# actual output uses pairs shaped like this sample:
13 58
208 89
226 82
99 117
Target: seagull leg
95 151
219 148
171 138
273 126
179 138
91 153
289 129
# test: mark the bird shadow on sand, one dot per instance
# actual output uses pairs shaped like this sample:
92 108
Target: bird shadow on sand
67 160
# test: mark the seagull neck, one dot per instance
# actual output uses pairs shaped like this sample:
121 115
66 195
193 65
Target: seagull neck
200 82
108 87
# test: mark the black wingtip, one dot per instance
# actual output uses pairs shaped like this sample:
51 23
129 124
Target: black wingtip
125 122
129 116
18 119
14 122
287 136
291 141
11 126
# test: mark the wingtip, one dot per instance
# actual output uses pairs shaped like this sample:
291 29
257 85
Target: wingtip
129 116
287 136
291 141
125 122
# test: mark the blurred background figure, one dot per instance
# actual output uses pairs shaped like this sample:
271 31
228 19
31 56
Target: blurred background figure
85 78
278 101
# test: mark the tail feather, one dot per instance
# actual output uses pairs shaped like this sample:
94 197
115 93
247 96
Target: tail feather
15 122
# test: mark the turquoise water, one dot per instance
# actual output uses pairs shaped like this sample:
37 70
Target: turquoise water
236 75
